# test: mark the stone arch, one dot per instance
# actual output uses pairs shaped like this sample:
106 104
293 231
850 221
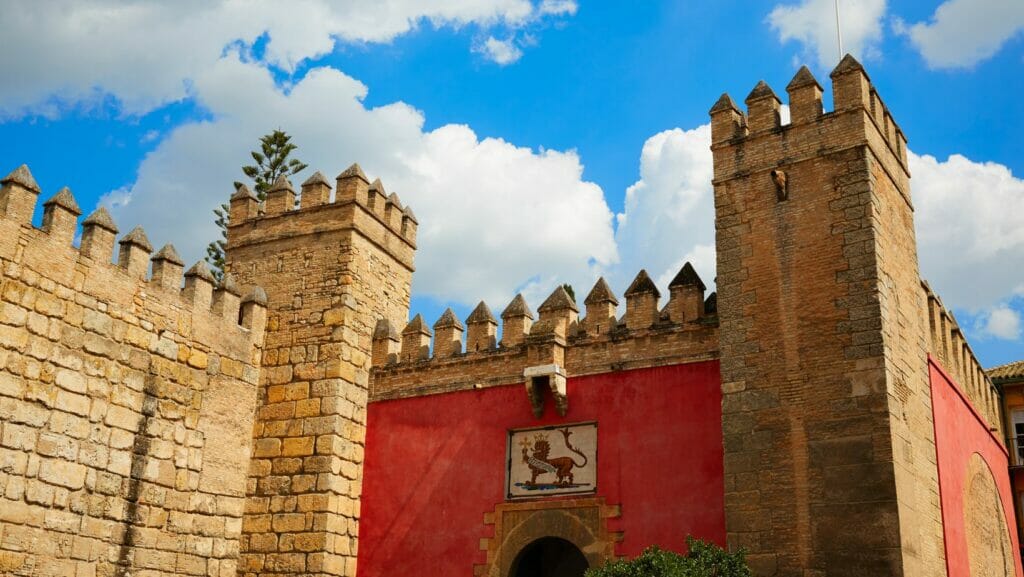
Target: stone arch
989 548
549 556
581 522
562 524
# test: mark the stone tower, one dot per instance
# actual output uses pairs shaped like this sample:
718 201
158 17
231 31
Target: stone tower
829 444
331 271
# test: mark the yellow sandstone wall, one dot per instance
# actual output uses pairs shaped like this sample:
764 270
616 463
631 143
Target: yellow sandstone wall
331 269
126 404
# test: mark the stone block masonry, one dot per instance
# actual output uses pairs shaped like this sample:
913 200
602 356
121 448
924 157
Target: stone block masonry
829 440
331 269
154 422
683 331
126 404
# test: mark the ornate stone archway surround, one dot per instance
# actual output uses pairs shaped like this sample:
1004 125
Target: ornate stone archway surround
583 522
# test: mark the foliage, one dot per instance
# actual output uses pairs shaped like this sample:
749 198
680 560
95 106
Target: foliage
703 560
568 289
272 161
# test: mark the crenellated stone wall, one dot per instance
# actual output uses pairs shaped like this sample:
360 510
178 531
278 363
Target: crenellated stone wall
829 435
682 331
331 267
126 404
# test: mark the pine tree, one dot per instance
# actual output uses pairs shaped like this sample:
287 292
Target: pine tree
272 161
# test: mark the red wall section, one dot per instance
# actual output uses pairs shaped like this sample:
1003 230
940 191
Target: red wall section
435 464
960 432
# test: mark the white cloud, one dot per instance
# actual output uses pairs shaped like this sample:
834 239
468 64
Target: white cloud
962 33
669 215
813 24
487 208
1003 323
558 7
501 52
970 229
969 217
146 54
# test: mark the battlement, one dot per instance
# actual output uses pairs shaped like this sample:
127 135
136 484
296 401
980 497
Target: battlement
683 330
949 346
49 249
355 203
125 389
858 114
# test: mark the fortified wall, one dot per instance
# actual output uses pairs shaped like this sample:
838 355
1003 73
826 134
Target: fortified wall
332 264
551 346
822 410
126 402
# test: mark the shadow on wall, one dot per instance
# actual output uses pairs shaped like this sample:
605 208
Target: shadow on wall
140 456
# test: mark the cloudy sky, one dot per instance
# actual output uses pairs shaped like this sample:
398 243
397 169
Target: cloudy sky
538 141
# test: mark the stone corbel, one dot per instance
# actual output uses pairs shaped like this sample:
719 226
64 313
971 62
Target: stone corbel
551 376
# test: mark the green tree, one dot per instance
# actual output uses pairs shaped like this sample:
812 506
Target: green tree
568 289
273 160
703 560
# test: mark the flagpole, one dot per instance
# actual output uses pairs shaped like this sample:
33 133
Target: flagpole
839 31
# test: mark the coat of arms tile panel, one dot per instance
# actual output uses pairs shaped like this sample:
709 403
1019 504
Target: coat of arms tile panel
555 460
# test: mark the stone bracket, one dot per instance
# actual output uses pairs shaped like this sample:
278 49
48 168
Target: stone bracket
551 376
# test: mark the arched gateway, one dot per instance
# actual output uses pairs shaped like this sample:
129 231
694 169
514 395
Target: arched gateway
549 557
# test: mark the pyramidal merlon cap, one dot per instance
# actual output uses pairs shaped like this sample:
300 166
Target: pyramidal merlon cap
517 308
169 254
243 193
761 91
317 178
687 276
601 293
281 184
725 102
101 218
846 65
416 325
137 237
353 171
557 301
481 314
642 284
65 200
228 284
448 320
255 295
385 330
22 176
201 270
803 78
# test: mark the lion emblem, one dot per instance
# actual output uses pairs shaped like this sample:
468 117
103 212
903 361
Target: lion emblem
538 459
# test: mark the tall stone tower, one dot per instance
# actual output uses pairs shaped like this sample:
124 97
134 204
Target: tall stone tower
829 444
331 270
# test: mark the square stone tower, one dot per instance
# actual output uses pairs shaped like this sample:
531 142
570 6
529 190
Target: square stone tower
331 270
829 443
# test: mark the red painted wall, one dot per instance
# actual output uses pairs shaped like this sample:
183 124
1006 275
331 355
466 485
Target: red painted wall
960 431
434 465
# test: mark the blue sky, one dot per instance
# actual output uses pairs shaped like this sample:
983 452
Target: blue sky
581 122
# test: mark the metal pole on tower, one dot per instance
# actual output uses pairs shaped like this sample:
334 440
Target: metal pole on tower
839 31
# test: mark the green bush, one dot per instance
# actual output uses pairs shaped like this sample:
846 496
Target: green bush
703 560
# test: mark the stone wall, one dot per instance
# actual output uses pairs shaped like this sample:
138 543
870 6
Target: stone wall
331 269
126 404
683 331
948 347
829 447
